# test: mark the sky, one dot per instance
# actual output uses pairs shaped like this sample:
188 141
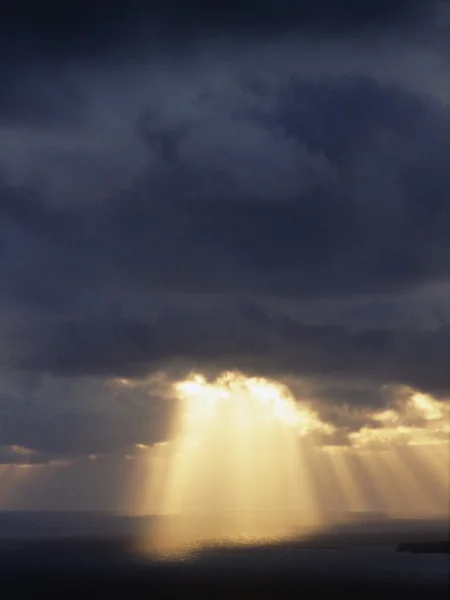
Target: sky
259 187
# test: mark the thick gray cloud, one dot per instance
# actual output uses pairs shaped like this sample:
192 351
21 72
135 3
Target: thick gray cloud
278 205
355 202
80 26
77 434
44 417
247 339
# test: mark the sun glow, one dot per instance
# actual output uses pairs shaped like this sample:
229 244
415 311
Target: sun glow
261 394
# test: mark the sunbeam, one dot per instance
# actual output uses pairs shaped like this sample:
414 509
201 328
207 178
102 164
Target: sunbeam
236 470
247 462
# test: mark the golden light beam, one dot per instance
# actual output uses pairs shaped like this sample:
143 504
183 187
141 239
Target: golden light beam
356 499
14 481
246 463
393 485
437 460
432 490
237 470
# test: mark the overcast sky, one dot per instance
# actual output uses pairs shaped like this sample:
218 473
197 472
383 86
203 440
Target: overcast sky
258 186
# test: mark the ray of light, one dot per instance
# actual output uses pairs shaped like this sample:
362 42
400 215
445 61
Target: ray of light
393 483
14 481
430 486
247 462
237 470
437 460
356 500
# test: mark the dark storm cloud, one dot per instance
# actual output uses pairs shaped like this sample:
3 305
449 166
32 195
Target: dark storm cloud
273 175
379 221
37 99
74 433
381 224
245 339
38 40
17 455
82 27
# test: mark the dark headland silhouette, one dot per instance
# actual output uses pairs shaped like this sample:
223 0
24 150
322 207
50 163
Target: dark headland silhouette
436 547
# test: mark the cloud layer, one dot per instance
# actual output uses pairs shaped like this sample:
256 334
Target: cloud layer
266 192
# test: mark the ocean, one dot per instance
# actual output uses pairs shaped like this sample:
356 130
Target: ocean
95 554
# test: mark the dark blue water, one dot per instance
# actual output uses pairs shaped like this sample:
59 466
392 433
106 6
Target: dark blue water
101 548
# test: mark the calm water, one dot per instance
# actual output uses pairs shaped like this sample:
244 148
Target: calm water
366 552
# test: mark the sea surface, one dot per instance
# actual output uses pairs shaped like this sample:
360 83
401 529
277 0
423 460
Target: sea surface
65 551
